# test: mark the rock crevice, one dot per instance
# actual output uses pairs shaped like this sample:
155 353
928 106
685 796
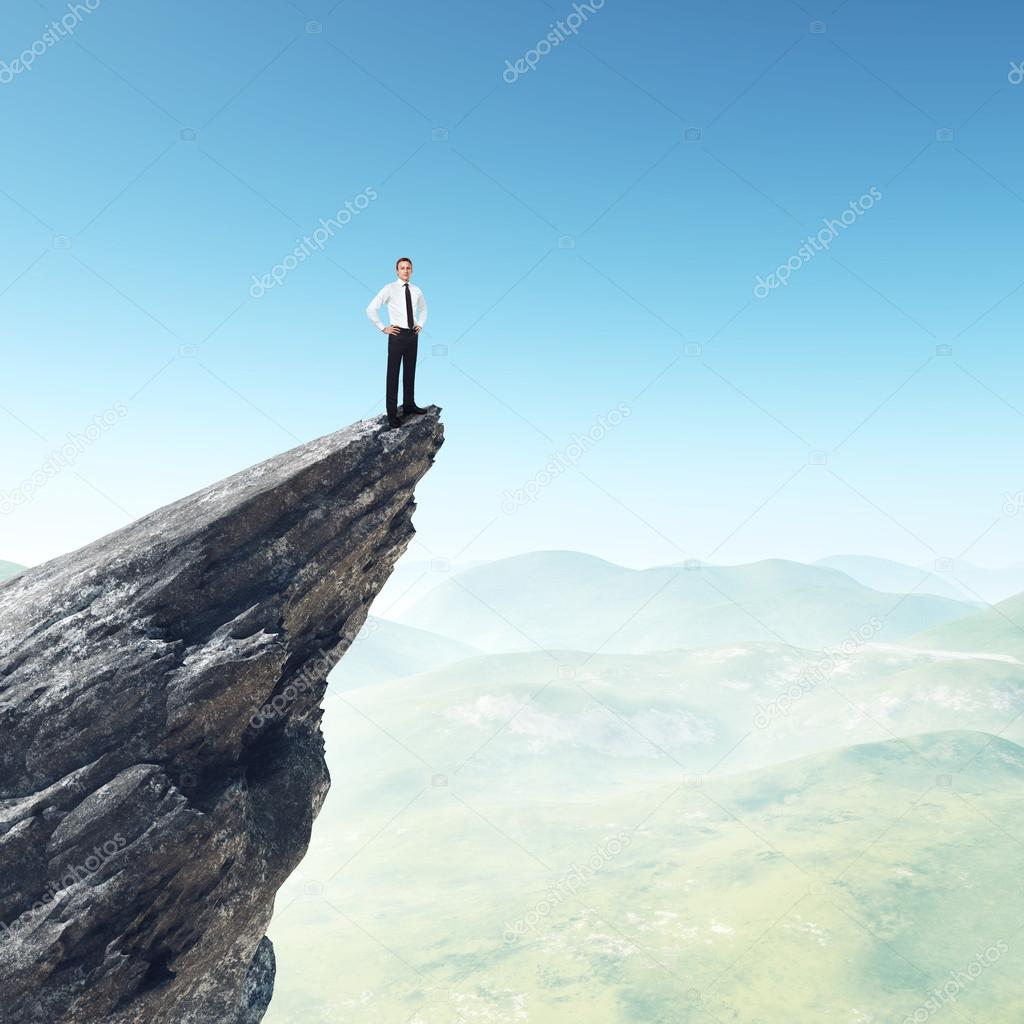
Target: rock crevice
161 760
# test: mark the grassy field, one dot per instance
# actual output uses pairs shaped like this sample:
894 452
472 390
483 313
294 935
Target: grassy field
746 832
817 889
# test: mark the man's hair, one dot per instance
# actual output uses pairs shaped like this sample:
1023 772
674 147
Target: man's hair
404 259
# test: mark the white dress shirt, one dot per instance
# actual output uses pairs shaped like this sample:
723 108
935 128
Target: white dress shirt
394 295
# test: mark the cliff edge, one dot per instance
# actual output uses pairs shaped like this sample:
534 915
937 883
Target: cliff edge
161 760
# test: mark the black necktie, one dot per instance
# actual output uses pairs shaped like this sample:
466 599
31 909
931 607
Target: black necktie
408 305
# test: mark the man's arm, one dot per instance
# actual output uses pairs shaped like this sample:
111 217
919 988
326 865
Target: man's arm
423 307
374 306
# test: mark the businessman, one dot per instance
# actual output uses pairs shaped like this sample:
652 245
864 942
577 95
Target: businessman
403 299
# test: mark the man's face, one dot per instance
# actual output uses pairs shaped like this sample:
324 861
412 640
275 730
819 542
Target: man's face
404 270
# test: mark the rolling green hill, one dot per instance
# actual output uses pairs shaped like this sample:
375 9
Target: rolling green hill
996 630
847 886
670 829
566 725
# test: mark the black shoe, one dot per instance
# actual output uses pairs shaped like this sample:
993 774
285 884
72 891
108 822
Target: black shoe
414 409
393 421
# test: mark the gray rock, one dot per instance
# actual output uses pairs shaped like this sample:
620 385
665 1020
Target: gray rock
161 760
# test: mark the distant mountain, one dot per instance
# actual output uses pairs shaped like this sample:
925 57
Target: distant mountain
895 577
385 650
9 569
566 599
997 630
411 580
963 581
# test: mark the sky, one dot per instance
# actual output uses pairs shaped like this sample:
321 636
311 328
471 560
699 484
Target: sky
597 199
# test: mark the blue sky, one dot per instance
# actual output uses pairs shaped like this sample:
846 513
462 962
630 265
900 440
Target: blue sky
588 237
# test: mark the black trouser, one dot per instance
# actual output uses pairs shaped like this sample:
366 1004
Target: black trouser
401 350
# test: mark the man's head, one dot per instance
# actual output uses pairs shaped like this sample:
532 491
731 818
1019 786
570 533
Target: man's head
404 268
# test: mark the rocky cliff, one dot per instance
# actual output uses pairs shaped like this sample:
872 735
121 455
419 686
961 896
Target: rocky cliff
161 760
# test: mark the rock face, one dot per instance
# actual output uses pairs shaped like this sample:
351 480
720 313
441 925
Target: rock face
161 760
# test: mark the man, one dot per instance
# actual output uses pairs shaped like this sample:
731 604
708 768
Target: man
402 299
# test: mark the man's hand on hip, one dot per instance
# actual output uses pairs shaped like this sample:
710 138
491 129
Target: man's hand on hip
392 329
417 328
